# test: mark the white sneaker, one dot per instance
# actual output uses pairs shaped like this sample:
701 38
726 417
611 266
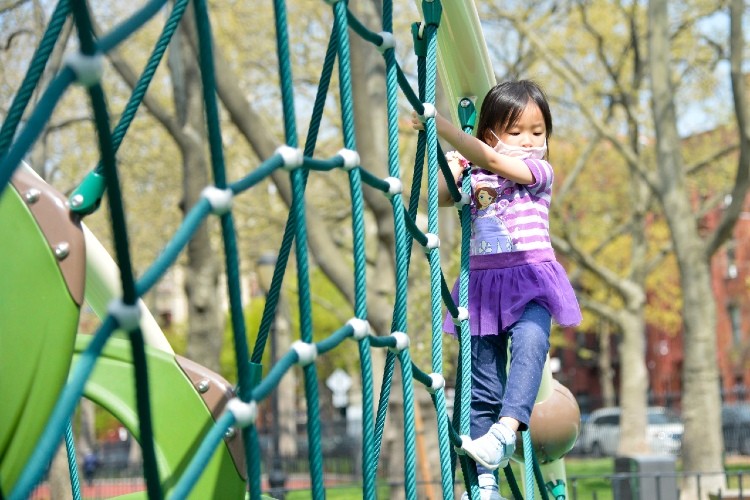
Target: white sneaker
487 488
494 449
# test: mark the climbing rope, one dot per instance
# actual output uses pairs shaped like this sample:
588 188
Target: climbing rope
85 69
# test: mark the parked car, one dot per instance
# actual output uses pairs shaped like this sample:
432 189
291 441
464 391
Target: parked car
600 434
735 425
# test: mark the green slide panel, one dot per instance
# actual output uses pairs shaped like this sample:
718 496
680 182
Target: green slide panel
38 323
180 417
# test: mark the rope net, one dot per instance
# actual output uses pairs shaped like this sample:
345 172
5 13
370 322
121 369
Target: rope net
85 69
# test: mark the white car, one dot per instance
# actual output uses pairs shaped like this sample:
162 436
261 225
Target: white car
600 434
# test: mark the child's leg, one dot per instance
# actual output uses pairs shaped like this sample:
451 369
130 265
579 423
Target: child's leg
488 364
529 346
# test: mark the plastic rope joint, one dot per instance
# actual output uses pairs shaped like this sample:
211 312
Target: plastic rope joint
388 42
394 186
463 314
128 316
438 382
361 328
293 157
306 353
402 342
351 158
87 68
465 200
432 243
429 112
219 199
244 413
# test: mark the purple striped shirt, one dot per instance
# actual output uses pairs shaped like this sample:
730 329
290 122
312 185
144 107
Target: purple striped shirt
507 216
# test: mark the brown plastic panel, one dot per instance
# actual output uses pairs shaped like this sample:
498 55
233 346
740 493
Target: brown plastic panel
215 392
59 226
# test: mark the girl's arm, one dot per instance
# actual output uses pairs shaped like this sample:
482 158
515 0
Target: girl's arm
480 154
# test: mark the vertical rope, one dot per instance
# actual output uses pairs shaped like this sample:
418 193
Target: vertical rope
298 206
434 260
70 449
528 462
358 237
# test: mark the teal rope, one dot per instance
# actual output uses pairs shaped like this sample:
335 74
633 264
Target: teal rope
34 125
33 74
464 331
528 462
358 235
101 120
122 31
402 279
305 309
70 449
144 81
434 260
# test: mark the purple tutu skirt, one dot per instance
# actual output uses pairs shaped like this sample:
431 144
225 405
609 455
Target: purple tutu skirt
500 286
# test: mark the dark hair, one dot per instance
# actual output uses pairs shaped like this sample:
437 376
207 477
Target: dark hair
504 103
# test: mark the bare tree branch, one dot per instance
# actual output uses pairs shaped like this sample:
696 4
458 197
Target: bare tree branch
8 5
739 91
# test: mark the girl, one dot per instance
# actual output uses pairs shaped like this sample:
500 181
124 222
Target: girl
515 288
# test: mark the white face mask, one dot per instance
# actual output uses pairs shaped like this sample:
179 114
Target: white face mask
534 153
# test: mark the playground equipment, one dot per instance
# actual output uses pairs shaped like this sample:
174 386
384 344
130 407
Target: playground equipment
38 352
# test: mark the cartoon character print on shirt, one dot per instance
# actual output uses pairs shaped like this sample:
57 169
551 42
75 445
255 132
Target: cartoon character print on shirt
489 235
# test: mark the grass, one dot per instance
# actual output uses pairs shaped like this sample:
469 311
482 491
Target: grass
588 478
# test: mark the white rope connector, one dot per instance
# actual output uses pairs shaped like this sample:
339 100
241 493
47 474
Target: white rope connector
429 112
244 413
394 186
460 449
433 242
351 158
465 200
463 314
402 342
219 199
88 69
438 382
307 353
361 328
293 157
128 317
388 41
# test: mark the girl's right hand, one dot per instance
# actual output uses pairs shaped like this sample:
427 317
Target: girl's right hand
416 123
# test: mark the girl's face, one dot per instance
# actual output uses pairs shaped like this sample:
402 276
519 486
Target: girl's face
529 131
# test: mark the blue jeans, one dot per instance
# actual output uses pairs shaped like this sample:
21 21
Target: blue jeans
495 393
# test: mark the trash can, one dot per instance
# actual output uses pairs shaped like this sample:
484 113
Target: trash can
645 477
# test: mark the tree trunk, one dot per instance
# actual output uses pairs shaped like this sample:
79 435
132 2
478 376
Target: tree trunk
604 361
702 442
633 384
205 311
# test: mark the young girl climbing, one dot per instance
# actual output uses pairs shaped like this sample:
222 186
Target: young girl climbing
516 286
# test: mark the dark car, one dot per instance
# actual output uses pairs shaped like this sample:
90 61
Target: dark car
735 425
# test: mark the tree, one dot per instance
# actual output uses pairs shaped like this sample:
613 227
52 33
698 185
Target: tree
703 445
670 47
